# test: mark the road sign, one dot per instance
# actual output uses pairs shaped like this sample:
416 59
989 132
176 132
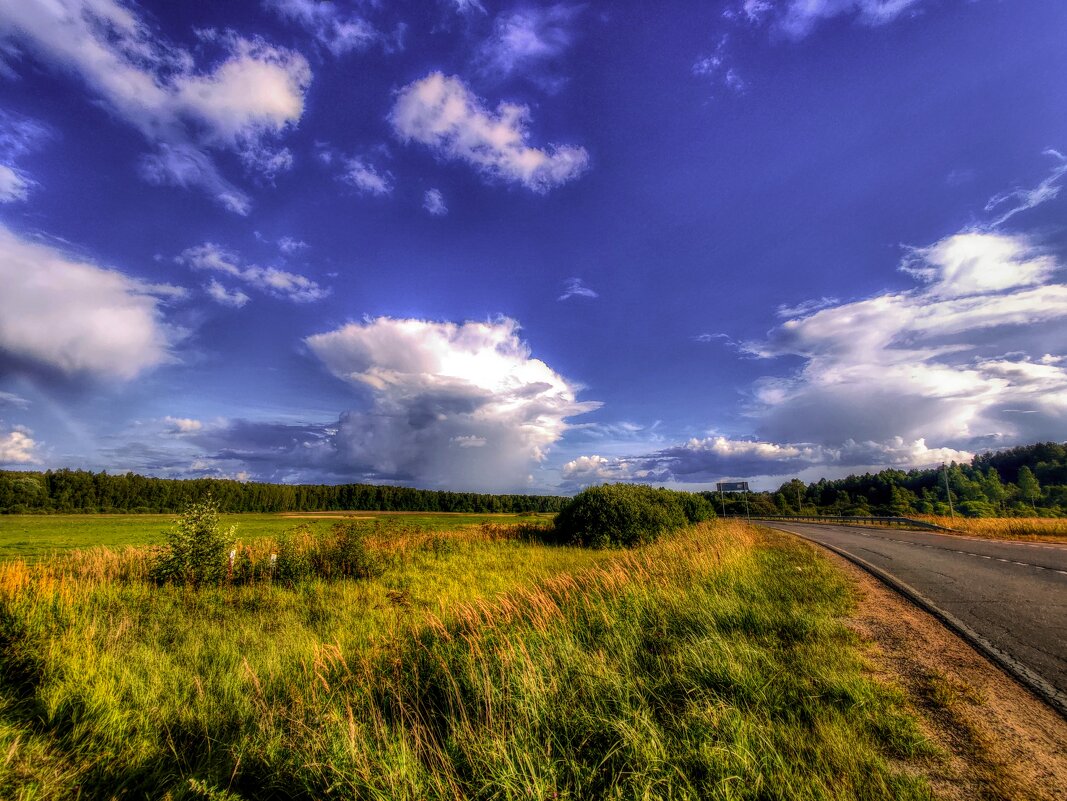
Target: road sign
732 486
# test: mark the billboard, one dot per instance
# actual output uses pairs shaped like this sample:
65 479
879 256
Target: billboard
732 486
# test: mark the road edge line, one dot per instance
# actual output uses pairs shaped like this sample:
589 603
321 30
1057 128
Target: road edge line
1018 671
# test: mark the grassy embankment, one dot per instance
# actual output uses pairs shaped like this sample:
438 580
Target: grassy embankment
1048 529
709 665
41 536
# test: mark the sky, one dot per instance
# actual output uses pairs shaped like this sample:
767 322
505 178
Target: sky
529 247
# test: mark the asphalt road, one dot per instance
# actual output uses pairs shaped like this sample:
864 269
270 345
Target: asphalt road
1012 594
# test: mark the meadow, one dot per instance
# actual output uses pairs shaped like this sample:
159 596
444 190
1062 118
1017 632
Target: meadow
1047 529
479 664
39 536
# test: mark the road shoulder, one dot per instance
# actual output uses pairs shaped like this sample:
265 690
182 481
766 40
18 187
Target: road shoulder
998 740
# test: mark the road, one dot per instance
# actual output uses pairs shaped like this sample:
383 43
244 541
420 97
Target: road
1012 595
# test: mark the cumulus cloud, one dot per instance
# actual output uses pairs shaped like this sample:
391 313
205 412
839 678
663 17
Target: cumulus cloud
69 315
17 446
270 280
338 30
574 288
434 202
956 364
930 362
442 113
252 95
451 405
365 177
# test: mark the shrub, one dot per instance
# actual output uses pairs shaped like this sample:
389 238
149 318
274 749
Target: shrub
197 550
344 554
627 515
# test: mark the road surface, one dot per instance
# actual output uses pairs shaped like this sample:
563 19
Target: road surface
1013 595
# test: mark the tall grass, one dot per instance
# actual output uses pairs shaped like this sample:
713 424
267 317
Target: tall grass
477 666
1054 528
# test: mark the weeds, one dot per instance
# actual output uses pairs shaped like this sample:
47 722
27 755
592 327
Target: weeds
475 666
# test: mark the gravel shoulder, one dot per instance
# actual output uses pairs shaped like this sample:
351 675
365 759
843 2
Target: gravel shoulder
997 740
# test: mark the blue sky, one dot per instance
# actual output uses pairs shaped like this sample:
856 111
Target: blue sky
530 246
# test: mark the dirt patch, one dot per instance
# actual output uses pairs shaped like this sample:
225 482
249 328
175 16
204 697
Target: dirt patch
998 740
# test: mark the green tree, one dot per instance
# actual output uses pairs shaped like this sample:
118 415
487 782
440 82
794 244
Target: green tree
197 547
1029 487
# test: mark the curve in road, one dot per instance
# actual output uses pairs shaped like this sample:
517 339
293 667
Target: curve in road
1008 598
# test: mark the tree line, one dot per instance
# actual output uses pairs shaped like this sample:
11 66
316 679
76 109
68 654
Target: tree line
86 491
1026 480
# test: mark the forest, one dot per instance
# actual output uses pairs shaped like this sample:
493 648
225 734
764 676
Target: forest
85 491
1029 480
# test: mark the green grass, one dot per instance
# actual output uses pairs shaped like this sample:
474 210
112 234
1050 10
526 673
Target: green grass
40 536
711 665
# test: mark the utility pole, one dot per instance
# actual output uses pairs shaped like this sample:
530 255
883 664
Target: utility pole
948 491
800 508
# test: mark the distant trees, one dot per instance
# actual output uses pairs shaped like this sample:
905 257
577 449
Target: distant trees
84 491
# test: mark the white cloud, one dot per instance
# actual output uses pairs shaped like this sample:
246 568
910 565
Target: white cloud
17 446
337 30
11 399
1026 199
255 93
457 405
799 17
225 297
76 317
442 113
183 425
18 136
434 202
289 245
526 38
716 68
365 177
928 362
574 288
14 185
279 283
468 6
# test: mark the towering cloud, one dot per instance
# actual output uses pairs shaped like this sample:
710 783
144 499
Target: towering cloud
456 405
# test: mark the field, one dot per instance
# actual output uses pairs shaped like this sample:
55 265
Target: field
713 664
1046 529
39 536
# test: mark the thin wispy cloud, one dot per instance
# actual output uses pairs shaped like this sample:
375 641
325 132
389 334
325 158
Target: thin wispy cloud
1020 200
269 280
575 288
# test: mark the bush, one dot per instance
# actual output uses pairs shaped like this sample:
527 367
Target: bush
344 554
627 515
197 550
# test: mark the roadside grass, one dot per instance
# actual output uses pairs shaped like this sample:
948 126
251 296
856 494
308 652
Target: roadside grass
36 537
1047 529
714 664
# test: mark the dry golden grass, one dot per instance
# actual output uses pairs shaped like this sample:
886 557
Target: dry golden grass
1048 529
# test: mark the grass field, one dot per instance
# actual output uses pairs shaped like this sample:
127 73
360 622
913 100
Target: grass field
39 536
714 664
1048 529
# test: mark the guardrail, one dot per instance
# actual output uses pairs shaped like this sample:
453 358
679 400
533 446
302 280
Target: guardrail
858 521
